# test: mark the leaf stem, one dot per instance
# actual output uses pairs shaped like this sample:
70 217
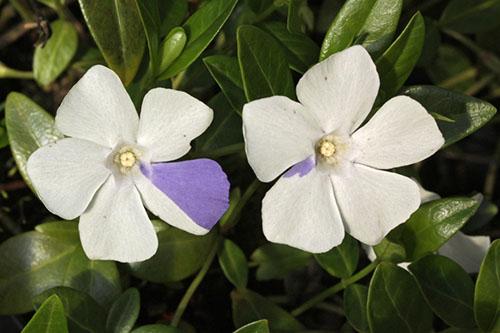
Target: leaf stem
335 289
9 73
233 219
195 283
23 10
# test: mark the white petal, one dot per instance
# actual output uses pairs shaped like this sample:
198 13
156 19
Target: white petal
116 225
426 196
170 119
98 109
373 202
467 251
278 134
66 174
400 133
162 206
340 90
301 212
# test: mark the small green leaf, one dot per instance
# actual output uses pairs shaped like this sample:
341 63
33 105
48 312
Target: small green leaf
118 32
172 14
54 4
124 312
157 328
259 326
487 295
4 139
150 17
262 67
395 303
201 28
468 113
342 260
470 16
63 230
233 262
171 47
51 59
29 127
448 288
49 318
355 300
276 261
249 306
398 61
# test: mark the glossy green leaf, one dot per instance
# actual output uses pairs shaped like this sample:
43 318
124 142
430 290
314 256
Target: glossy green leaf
300 51
468 113
118 32
487 294
262 67
275 261
395 303
233 262
448 288
49 318
355 301
398 61
172 14
452 69
300 16
249 306
342 260
259 326
259 6
432 41
471 16
157 328
124 312
180 254
226 72
83 313
391 248
63 230
371 23
51 59
57 262
201 28
28 127
150 17
171 47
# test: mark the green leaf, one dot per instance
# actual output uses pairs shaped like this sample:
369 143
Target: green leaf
391 248
201 28
49 318
398 61
63 230
249 306
448 288
150 17
54 4
300 51
51 59
180 254
468 113
470 16
355 300
118 32
262 67
57 262
259 326
4 139
226 72
171 47
124 312
300 16
395 303
275 261
487 295
157 328
172 14
83 313
342 260
432 41
371 23
29 127
233 262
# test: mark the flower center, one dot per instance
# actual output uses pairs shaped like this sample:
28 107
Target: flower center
126 158
326 148
331 149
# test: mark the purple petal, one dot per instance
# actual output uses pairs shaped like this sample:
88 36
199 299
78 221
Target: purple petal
199 187
302 168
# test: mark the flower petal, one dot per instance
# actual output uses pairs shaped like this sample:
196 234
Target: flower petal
400 133
170 119
467 251
116 225
373 202
199 187
98 109
66 174
278 134
340 91
302 212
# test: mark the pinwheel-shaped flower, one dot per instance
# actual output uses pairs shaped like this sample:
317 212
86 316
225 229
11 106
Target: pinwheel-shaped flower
111 164
337 182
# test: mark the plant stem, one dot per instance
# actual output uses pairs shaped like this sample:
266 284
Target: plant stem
233 219
334 289
9 73
195 283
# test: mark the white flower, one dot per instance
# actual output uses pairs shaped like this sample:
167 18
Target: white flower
108 167
336 182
